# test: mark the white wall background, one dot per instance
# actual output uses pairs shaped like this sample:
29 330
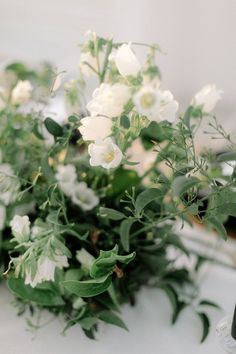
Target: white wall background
197 35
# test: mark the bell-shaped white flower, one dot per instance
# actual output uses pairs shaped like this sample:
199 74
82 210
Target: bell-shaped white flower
2 216
155 104
105 153
66 177
84 196
94 128
9 185
45 269
22 92
20 226
85 258
109 100
126 61
207 98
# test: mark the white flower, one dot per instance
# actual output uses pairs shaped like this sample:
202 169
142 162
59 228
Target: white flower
84 196
20 226
9 185
126 61
66 177
21 92
207 97
109 100
85 258
94 128
2 216
45 269
155 104
105 153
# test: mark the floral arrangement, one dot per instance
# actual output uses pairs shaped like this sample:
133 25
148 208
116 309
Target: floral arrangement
89 205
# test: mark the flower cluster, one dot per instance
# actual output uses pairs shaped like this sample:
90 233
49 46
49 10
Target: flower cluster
92 202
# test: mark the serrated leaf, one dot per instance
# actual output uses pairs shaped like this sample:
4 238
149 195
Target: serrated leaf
111 214
88 288
43 297
125 233
111 318
205 325
182 184
217 225
107 260
146 197
53 127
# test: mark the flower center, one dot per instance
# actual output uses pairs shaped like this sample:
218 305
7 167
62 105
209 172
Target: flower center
109 156
147 100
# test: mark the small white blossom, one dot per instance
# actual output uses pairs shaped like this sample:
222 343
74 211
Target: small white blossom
105 153
2 216
207 97
21 92
45 269
155 104
126 61
84 196
9 185
85 258
94 128
20 226
66 177
109 100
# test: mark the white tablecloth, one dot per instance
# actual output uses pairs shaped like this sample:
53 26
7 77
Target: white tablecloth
148 322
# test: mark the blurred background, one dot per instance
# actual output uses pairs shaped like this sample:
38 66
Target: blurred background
197 37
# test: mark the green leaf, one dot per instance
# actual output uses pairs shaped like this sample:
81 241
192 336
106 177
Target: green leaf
125 233
181 184
43 297
123 180
125 122
88 288
107 260
193 209
88 322
171 293
227 156
53 127
111 318
46 169
147 197
217 225
209 303
205 324
111 214
227 209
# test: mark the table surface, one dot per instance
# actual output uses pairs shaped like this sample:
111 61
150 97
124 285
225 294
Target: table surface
148 322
